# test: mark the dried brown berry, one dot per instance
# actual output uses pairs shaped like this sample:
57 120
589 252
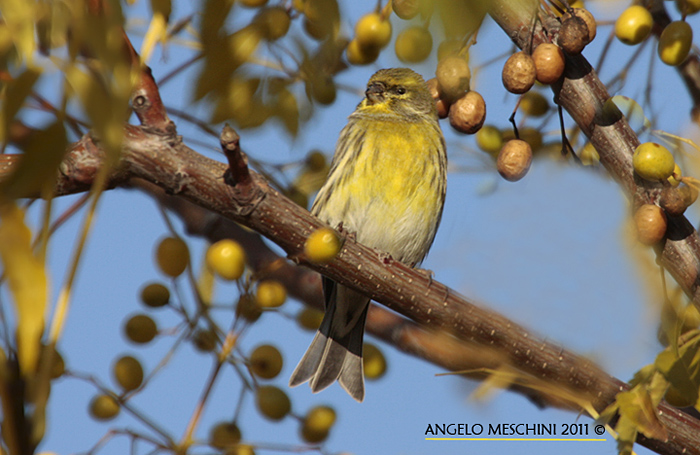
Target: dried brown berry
443 106
518 73
587 18
468 113
672 201
549 63
514 160
690 194
650 221
573 35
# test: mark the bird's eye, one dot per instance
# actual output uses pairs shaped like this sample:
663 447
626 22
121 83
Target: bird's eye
401 90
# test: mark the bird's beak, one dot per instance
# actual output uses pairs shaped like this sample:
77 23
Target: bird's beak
375 92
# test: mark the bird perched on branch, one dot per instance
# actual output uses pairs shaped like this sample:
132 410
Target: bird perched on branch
386 186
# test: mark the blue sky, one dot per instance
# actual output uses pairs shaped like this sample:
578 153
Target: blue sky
547 251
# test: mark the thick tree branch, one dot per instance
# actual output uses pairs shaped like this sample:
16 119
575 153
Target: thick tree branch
304 284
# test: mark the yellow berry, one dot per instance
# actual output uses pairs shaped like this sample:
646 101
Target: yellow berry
266 361
320 418
650 221
242 449
272 402
406 9
274 21
248 308
317 424
529 134
322 89
589 155
224 435
675 178
634 25
322 245
489 139
140 328
128 373
373 361
172 256
155 295
653 161
48 354
688 7
227 259
316 161
358 55
413 44
453 77
309 318
675 42
322 18
534 104
252 3
373 31
270 294
104 407
205 340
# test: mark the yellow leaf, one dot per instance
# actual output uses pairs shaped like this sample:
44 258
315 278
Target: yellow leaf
105 105
626 435
157 31
637 406
19 16
213 20
27 281
162 7
288 111
682 367
205 283
499 379
643 375
15 94
52 23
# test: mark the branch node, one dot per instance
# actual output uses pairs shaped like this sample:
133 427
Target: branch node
245 191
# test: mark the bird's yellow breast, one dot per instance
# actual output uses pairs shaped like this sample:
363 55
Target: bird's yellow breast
392 194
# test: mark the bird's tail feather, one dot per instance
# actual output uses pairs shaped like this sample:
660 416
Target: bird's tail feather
336 350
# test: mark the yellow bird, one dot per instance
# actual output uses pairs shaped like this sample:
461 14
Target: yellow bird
386 185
